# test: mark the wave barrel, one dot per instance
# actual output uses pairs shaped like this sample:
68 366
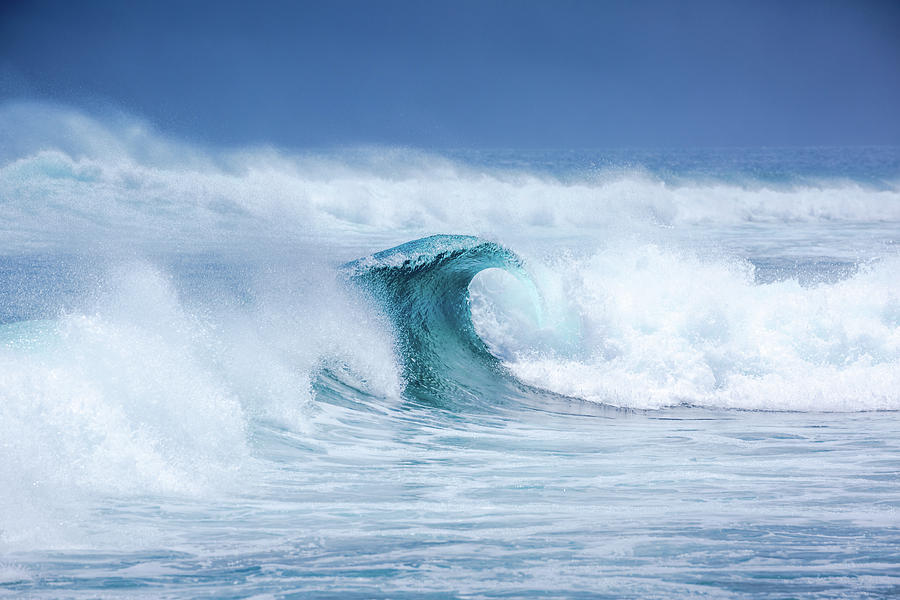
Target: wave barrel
423 286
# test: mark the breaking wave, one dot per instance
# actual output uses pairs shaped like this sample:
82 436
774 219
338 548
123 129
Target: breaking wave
72 181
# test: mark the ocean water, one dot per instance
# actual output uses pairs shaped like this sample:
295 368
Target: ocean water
391 373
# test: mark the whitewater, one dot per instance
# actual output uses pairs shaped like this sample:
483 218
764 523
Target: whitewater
379 372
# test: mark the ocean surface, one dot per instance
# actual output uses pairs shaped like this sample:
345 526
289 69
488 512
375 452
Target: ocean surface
395 373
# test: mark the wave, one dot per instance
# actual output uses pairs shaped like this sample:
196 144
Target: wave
423 286
152 391
153 378
636 327
156 390
73 181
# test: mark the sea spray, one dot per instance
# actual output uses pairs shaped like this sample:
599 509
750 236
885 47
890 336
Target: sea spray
110 185
647 327
196 399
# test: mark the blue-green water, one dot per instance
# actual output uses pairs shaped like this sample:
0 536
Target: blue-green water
613 374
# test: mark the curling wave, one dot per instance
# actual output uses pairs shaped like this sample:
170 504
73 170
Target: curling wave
636 326
423 285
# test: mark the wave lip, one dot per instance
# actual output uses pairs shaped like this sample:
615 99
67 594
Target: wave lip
423 285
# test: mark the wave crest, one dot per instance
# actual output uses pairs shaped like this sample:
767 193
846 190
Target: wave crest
71 180
423 285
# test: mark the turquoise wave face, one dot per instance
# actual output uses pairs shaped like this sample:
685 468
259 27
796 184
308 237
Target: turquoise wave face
423 286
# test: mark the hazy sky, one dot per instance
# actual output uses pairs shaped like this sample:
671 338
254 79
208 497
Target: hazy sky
485 73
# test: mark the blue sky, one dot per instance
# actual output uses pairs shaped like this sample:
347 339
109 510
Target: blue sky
486 73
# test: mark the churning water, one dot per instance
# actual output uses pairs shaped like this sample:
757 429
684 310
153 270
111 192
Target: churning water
387 373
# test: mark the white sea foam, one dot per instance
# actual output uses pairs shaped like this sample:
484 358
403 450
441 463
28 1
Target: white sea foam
153 393
71 180
647 327
147 395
